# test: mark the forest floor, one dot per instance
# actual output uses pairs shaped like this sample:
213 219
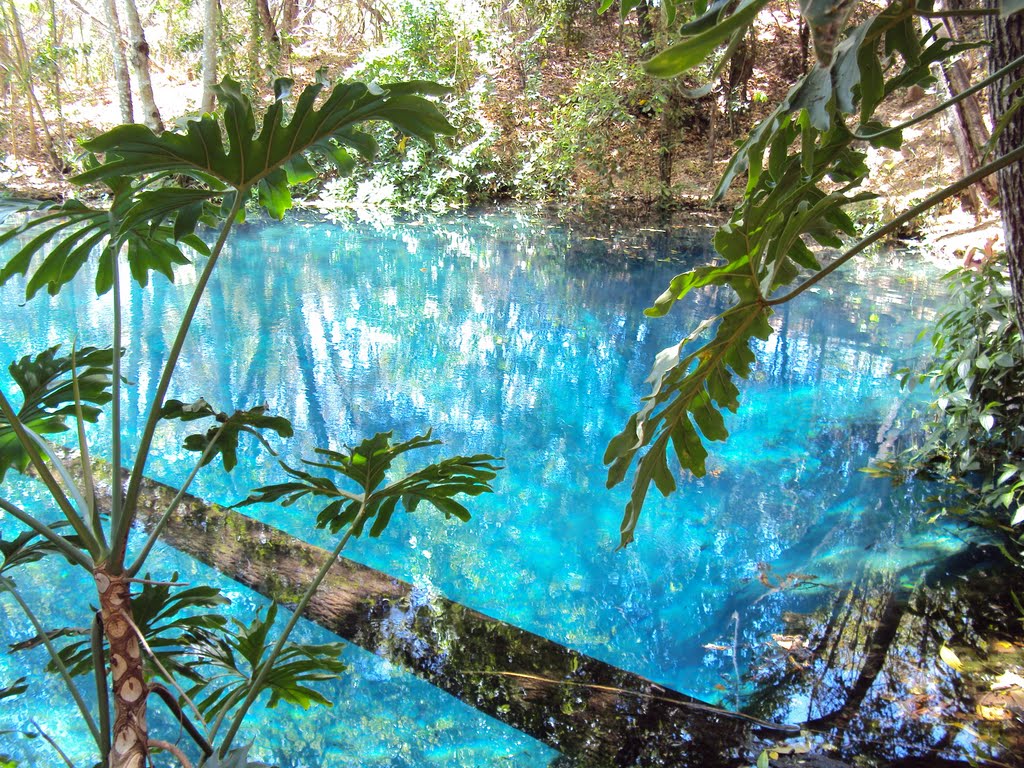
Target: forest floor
925 163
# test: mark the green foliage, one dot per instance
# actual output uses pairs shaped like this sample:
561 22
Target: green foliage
584 128
82 231
236 660
426 41
275 158
976 435
172 620
803 164
162 189
48 397
26 547
367 465
223 438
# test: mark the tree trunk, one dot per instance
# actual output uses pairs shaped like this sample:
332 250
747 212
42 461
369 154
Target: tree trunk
965 121
289 14
1007 36
211 45
270 36
55 71
130 733
124 88
21 67
140 63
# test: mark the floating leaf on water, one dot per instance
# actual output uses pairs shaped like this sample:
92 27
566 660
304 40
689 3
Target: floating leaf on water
950 658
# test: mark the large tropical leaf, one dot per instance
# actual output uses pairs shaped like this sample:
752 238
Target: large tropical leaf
48 398
173 621
366 466
26 547
222 439
237 656
146 225
266 158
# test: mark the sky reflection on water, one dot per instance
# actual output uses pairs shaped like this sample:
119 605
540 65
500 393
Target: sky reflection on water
514 336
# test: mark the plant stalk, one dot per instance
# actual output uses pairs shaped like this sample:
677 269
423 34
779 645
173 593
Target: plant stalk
166 516
9 586
120 535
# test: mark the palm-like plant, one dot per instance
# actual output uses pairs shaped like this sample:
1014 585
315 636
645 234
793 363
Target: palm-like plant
161 188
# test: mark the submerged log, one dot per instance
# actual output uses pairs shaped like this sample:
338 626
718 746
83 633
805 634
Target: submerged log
594 713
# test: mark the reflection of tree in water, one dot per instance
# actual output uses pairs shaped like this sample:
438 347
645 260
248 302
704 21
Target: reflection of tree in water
864 672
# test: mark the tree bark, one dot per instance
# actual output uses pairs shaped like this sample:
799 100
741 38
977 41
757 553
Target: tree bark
965 121
270 36
289 15
130 733
211 45
1007 37
124 88
140 63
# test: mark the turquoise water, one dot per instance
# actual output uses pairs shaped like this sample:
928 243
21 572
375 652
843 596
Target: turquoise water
519 337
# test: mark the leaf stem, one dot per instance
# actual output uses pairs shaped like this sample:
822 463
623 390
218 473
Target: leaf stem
8 585
930 202
117 506
99 668
154 534
89 489
120 535
46 476
964 94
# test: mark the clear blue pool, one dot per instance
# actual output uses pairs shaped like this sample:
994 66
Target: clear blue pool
513 335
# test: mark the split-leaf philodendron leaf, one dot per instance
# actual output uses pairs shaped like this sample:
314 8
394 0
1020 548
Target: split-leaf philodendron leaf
241 155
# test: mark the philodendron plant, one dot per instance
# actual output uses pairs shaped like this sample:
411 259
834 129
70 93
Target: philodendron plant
150 636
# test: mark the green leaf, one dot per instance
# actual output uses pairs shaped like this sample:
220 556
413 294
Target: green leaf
691 51
367 466
17 688
171 618
238 656
693 386
252 158
826 19
27 547
222 438
48 397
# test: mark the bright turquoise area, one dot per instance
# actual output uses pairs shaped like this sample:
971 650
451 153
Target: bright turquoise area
520 337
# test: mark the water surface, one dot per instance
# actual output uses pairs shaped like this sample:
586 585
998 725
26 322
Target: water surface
515 336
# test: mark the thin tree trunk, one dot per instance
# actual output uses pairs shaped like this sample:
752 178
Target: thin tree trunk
289 13
211 45
965 121
1007 36
124 88
130 732
23 71
270 36
58 100
139 58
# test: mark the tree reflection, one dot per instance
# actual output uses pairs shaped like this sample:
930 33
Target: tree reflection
870 681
